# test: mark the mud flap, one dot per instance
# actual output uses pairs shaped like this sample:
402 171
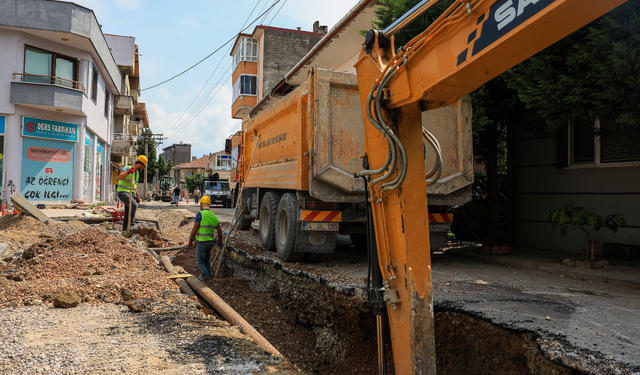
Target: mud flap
315 241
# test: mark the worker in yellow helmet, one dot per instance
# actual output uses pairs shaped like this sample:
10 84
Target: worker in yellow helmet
128 176
204 228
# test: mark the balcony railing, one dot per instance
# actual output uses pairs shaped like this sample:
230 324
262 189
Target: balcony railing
48 80
123 137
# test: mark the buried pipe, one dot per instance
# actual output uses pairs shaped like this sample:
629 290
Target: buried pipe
184 287
230 315
168 248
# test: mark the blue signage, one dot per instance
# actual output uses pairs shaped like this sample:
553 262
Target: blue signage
63 131
100 146
47 170
2 119
88 139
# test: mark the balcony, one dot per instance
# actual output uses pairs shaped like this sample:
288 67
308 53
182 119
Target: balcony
135 94
124 105
134 128
122 145
47 92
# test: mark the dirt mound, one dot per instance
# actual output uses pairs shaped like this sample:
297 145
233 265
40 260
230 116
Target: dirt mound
92 263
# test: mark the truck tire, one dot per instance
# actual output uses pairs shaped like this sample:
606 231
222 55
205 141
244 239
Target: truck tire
244 223
286 228
268 209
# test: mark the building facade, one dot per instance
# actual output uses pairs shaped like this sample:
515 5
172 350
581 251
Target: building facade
590 164
178 153
262 58
57 93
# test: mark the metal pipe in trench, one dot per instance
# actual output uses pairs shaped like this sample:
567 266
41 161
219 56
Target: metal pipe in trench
184 287
230 315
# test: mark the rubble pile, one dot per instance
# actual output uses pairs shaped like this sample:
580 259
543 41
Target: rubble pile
90 262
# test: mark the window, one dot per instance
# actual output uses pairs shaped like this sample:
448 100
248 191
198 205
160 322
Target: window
224 162
94 84
602 143
50 68
107 96
247 50
245 85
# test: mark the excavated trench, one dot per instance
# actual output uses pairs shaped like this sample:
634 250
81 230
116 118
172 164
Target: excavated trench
325 330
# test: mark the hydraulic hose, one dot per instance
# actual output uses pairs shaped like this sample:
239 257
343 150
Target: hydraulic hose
389 140
437 167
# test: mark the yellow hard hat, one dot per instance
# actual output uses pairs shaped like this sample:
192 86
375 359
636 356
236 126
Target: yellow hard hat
143 159
205 200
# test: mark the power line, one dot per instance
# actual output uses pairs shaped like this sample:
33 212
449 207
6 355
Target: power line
212 53
274 16
198 109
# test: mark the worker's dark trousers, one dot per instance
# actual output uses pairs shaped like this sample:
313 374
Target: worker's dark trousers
124 198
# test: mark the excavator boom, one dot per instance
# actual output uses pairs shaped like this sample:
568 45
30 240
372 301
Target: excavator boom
471 43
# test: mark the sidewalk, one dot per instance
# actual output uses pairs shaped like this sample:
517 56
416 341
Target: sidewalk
551 261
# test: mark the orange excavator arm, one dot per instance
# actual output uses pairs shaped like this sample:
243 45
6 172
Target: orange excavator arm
471 43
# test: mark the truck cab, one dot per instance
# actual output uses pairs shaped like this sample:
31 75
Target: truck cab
218 190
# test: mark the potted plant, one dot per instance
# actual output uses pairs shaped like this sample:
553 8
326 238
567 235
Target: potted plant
569 217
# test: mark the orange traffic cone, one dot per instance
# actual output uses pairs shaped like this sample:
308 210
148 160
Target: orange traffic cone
187 199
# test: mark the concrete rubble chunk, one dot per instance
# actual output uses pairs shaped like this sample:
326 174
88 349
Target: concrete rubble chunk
127 295
23 205
136 305
599 264
66 300
568 262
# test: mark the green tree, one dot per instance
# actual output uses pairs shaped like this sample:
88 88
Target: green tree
164 167
152 165
194 181
593 73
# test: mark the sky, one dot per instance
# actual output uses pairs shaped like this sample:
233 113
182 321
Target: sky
173 35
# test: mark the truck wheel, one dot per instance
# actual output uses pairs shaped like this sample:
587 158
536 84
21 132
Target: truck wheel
286 224
244 223
268 209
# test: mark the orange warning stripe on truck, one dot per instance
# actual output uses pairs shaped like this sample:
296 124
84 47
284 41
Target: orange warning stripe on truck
440 218
330 216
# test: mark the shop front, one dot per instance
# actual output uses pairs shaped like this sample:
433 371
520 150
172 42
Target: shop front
99 168
2 124
88 166
47 159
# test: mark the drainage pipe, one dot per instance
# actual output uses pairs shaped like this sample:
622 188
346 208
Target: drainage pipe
230 315
169 248
184 287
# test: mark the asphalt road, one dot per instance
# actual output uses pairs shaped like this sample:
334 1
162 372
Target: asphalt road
587 320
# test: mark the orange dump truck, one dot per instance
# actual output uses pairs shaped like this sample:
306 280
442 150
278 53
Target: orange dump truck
301 185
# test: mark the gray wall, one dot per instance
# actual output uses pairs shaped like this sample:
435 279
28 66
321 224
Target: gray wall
282 51
541 186
177 153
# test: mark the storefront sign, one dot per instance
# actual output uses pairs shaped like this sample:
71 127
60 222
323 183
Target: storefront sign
2 120
63 131
47 170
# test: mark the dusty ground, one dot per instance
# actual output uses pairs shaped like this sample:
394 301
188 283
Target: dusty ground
488 320
172 335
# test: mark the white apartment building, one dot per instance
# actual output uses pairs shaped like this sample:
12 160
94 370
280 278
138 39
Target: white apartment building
58 79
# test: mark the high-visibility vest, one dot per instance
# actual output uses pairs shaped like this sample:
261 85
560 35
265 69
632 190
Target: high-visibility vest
125 185
207 227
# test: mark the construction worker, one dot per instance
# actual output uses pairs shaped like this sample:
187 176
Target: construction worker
124 191
204 226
